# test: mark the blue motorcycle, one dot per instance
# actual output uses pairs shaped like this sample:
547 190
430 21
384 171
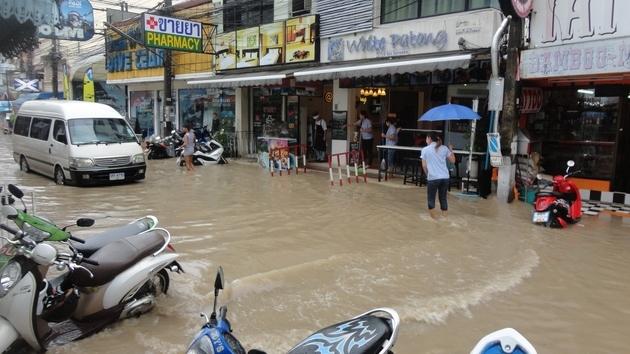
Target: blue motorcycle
373 332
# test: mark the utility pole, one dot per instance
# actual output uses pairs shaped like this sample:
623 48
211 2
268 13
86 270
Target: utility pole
168 110
509 120
55 56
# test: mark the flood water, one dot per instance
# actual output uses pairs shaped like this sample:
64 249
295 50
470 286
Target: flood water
299 255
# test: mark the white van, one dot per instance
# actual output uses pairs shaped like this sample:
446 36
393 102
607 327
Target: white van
76 142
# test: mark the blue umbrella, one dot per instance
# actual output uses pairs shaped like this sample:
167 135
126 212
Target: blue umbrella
449 112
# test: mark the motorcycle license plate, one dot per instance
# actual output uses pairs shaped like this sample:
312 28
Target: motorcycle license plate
117 176
540 217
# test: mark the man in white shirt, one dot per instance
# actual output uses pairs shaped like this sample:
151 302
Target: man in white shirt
367 137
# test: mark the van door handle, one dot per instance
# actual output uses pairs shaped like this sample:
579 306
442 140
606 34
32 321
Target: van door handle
50 149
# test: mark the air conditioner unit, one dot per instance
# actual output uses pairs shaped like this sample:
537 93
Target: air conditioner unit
300 7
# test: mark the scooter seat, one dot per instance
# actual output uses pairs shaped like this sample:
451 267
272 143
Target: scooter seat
116 257
98 241
357 336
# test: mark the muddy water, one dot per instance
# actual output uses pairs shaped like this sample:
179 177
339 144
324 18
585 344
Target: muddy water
299 255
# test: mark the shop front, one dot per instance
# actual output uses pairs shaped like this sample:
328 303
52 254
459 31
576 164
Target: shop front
402 70
256 63
584 83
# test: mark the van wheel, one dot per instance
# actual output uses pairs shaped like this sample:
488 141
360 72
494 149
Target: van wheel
24 165
60 179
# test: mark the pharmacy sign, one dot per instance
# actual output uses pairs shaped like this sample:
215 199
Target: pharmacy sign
172 33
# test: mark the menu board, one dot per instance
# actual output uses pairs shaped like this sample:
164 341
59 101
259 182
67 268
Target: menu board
292 41
339 125
301 35
272 44
225 49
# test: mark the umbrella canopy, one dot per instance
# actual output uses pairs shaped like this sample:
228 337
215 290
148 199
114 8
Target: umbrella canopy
449 112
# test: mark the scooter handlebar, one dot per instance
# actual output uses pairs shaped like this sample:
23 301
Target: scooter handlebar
9 229
89 261
76 239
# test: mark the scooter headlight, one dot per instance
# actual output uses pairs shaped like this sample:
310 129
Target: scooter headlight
35 233
10 275
138 158
202 345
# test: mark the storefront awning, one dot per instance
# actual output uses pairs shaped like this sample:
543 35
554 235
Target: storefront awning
243 80
383 67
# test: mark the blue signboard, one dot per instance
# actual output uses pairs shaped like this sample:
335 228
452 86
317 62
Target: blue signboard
76 19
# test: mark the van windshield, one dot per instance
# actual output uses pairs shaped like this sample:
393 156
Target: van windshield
100 131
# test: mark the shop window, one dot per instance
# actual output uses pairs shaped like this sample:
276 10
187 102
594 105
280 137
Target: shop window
401 10
239 14
480 4
141 105
398 10
576 124
211 108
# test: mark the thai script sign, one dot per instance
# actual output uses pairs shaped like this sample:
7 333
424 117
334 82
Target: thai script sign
556 22
172 33
415 37
76 22
602 57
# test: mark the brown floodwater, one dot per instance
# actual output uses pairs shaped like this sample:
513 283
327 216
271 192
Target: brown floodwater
299 254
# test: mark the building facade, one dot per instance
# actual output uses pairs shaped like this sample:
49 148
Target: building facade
578 68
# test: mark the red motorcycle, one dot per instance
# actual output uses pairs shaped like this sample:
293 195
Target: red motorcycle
562 205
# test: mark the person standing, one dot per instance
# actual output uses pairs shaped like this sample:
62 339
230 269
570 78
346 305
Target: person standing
434 157
189 146
391 139
367 137
319 142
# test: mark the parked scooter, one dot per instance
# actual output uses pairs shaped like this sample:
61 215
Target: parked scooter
158 148
206 153
561 206
120 280
42 228
369 333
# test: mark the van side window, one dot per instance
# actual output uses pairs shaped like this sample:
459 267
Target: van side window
40 128
21 125
59 132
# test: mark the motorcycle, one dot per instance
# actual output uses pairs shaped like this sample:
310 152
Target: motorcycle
158 148
119 281
372 332
45 229
206 153
562 205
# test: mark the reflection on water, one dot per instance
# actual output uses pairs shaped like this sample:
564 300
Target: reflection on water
299 255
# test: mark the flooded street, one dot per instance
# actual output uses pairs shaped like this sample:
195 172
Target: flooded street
299 255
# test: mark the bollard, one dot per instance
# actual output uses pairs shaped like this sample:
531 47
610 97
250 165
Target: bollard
348 173
356 171
364 172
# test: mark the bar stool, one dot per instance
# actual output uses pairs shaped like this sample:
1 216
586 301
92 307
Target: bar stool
411 166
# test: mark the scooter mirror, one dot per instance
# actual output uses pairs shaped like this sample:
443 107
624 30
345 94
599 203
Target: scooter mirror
85 222
539 176
218 282
173 131
570 163
17 192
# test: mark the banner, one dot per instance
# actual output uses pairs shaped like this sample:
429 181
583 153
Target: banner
88 86
247 47
76 22
172 33
301 39
67 91
272 43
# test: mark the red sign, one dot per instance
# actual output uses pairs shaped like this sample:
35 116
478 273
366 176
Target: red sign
522 7
532 100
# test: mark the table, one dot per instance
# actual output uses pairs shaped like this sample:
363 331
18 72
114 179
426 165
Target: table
416 149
